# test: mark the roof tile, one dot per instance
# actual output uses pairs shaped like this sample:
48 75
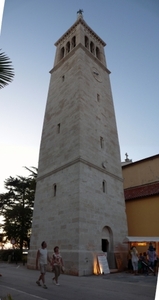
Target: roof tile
142 191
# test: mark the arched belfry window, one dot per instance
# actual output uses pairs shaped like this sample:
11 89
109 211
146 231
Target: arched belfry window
73 42
92 47
68 47
86 42
54 189
62 52
97 53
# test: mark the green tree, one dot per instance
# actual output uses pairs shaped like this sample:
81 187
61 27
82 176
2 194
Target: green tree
6 70
16 206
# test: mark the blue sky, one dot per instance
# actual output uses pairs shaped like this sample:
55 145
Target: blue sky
29 30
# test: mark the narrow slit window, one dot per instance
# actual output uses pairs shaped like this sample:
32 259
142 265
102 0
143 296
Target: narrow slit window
63 77
55 188
104 186
58 128
98 97
101 142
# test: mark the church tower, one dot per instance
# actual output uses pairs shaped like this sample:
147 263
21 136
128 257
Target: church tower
79 201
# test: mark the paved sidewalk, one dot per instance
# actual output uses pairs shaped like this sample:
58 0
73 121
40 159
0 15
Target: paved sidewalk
20 282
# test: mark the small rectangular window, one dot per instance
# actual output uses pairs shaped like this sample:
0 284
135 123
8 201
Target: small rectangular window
98 97
63 77
55 189
58 128
101 142
104 184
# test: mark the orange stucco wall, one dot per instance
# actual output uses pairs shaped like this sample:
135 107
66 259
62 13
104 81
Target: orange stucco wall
142 213
143 220
142 216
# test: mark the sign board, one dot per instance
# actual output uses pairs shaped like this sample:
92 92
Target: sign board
103 264
118 261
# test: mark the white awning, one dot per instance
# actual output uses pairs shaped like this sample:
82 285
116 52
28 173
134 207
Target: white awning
141 239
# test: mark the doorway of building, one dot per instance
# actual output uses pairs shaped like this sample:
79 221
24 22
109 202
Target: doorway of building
105 245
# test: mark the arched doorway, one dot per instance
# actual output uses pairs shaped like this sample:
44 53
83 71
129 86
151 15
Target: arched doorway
107 245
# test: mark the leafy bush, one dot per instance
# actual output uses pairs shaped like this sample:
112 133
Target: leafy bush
15 255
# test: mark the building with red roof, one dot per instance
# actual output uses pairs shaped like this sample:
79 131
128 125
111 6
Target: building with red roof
141 190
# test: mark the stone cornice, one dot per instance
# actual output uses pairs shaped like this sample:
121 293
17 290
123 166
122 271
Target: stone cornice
75 161
79 21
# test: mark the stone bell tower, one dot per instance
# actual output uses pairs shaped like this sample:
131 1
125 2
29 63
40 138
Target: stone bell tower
79 201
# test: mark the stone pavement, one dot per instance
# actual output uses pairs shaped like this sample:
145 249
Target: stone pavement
19 282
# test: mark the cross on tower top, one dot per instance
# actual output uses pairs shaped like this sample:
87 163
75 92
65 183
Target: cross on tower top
80 13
